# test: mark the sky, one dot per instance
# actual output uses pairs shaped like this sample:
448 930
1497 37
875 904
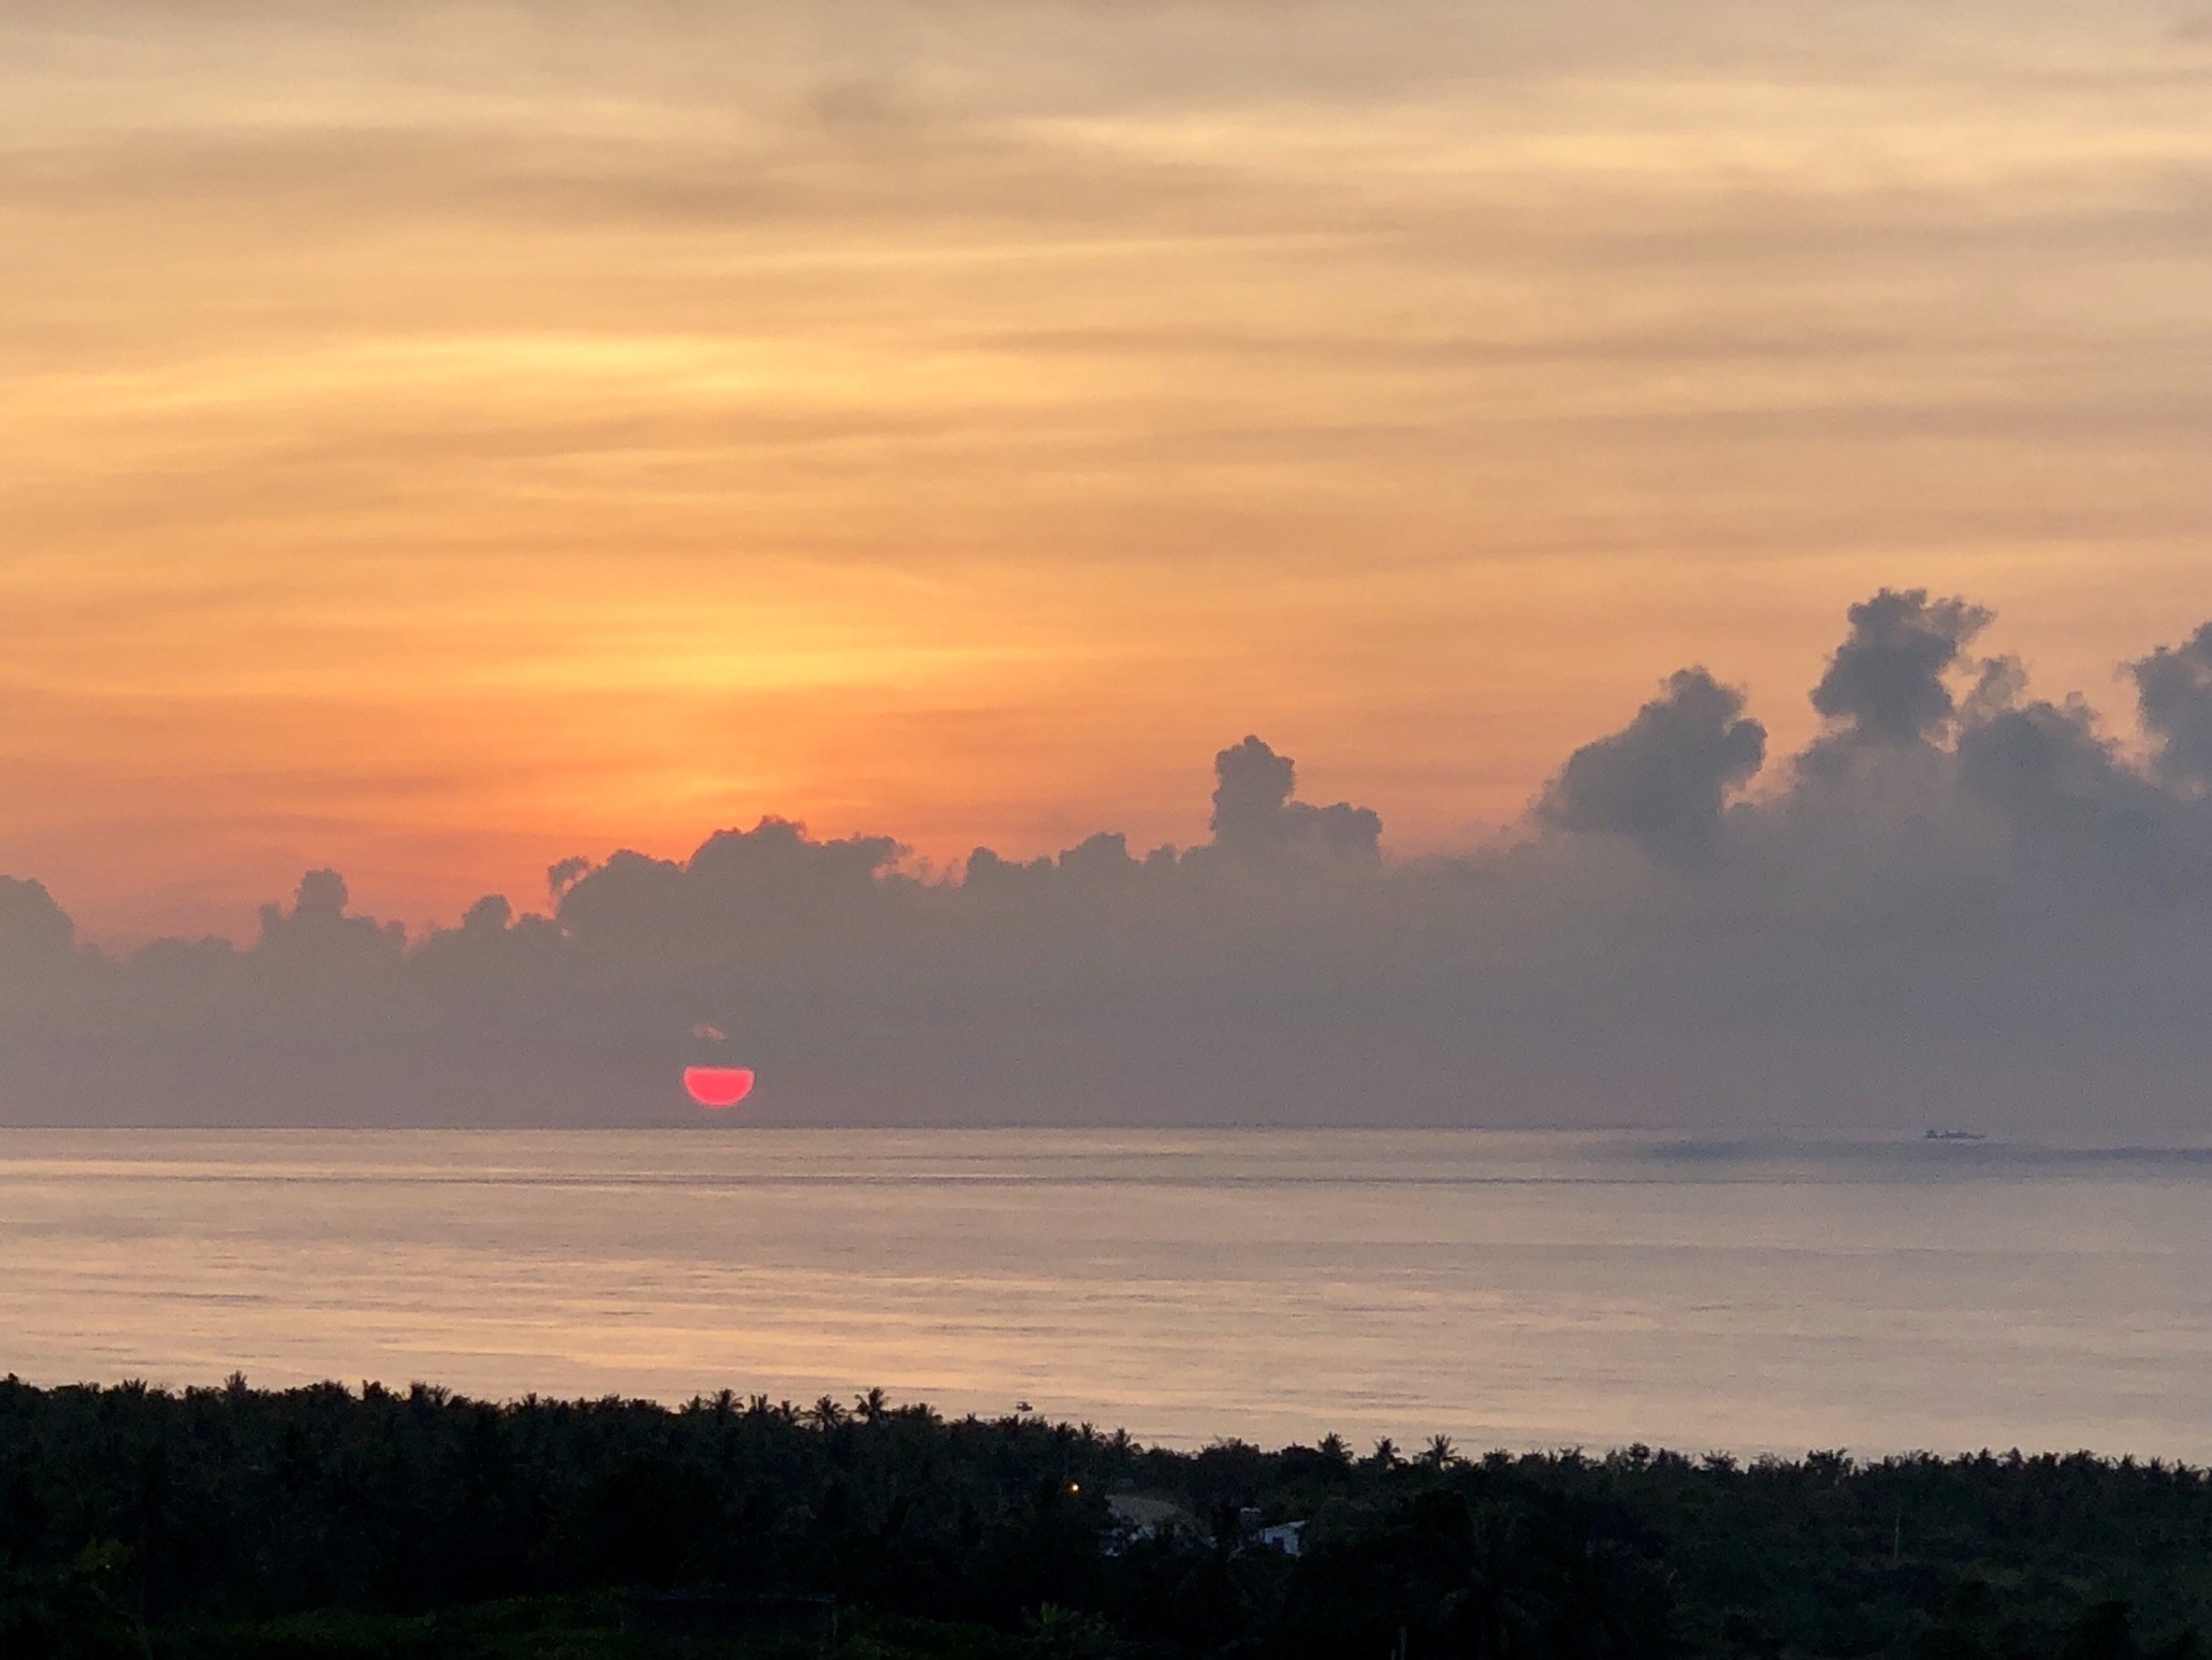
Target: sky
1587 564
445 439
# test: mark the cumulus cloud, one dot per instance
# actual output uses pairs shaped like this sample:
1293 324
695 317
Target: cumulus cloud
1661 779
1886 684
2173 685
1254 817
34 930
1963 901
2063 791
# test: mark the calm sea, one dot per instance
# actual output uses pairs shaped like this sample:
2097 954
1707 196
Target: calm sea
1505 1290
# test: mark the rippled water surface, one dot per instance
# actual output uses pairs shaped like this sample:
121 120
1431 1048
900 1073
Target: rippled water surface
1504 1288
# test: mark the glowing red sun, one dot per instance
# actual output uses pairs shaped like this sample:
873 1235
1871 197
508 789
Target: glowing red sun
717 1087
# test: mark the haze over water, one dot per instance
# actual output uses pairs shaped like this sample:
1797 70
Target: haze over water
1506 1288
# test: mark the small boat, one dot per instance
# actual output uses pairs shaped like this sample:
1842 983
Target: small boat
1955 1135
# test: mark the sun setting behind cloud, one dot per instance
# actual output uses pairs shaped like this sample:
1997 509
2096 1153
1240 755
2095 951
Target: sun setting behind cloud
1958 896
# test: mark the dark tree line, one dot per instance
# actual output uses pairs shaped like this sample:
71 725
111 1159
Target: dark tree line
323 1522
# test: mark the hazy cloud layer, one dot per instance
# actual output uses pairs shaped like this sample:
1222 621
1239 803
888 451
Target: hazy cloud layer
1959 903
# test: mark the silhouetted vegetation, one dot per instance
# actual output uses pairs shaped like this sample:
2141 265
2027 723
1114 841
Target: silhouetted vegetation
322 1522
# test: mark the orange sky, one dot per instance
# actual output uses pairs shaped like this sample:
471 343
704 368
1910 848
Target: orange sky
444 439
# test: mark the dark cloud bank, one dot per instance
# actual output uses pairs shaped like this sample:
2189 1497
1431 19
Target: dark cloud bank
1960 904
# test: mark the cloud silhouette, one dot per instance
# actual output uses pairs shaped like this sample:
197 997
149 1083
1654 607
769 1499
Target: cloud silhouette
1961 900
2174 686
34 930
1661 779
1886 683
1255 819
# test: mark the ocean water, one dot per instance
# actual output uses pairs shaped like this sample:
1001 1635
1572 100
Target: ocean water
1504 1288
